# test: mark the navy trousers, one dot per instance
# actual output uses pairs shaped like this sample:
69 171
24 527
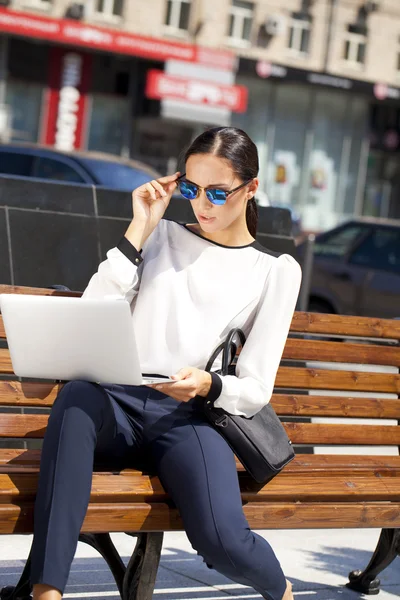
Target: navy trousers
136 426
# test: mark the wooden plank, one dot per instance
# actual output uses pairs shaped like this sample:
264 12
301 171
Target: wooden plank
103 518
343 325
19 289
365 354
326 379
304 405
135 487
14 460
22 426
14 393
33 426
343 435
299 378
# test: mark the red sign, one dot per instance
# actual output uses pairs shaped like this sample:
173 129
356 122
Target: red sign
71 32
66 99
197 91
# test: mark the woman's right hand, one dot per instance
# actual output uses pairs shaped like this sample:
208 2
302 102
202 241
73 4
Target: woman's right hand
151 200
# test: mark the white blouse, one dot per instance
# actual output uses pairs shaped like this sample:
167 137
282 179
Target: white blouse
187 292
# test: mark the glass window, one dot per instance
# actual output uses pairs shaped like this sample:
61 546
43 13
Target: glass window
256 121
25 100
354 48
116 175
108 122
381 251
39 3
338 243
299 35
323 201
178 14
240 22
50 168
16 163
285 164
108 8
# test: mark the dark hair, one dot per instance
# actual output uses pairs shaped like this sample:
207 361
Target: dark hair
234 145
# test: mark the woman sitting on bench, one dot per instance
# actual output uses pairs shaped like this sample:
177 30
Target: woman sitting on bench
188 285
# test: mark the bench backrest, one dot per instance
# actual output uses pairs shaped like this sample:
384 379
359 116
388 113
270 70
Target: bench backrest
333 367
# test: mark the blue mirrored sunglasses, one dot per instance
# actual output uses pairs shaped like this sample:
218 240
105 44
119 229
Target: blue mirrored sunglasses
190 190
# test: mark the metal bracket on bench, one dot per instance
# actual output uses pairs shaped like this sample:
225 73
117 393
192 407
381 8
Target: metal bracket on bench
386 551
134 582
137 580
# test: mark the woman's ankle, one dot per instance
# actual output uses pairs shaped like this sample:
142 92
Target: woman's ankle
45 592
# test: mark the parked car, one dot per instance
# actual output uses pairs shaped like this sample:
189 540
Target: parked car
357 269
90 168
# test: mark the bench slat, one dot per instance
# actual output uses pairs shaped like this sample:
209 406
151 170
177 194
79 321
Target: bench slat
366 354
103 518
18 460
299 378
33 426
343 325
135 487
326 379
14 393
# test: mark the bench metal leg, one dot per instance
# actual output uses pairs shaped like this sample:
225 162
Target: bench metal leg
22 591
134 582
386 551
141 572
102 542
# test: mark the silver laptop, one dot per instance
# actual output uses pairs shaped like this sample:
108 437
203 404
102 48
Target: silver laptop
65 338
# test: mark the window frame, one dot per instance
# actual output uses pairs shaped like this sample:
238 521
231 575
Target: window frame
106 15
240 14
299 27
39 4
176 11
355 42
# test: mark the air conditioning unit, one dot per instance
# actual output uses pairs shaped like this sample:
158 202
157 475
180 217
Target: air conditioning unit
275 25
75 11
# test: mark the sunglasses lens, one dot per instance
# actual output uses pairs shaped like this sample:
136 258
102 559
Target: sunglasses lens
216 196
188 190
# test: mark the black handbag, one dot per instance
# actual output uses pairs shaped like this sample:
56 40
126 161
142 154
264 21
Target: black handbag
260 442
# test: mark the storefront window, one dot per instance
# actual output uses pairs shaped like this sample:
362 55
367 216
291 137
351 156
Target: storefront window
323 203
359 120
108 120
25 100
286 162
256 122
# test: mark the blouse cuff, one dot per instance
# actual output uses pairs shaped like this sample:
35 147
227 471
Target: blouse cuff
130 251
215 389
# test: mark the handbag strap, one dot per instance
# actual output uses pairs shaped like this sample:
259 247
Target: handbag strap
228 349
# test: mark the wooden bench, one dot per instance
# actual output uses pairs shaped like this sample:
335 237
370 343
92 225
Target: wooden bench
317 490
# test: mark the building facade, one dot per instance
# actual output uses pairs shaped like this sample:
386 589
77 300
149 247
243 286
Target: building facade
316 83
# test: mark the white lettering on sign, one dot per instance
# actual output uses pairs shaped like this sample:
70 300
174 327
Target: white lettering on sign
67 119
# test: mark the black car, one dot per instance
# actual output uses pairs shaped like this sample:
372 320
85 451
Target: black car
87 168
356 269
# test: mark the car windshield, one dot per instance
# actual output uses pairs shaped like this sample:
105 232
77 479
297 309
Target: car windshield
116 175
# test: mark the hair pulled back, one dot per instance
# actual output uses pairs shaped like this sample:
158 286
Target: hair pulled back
234 145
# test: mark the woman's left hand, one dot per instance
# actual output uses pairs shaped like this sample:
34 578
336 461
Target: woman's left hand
188 383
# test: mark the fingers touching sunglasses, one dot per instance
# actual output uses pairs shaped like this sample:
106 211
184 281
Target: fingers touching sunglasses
190 190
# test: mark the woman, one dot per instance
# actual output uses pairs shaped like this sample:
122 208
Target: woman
188 285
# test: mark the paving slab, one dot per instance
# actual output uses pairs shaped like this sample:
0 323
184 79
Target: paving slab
317 563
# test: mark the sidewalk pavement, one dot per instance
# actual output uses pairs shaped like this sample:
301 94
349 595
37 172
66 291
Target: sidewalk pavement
317 563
